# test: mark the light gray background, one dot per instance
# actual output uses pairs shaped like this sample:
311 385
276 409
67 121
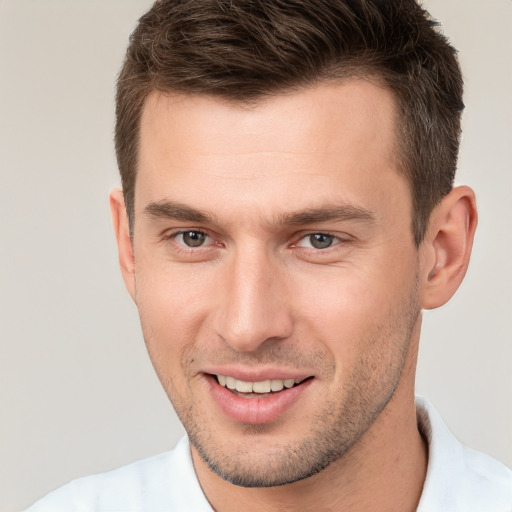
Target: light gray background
77 392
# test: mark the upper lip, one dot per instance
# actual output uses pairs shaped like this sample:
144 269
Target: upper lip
257 374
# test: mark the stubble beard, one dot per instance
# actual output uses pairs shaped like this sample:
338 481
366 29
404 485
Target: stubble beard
338 427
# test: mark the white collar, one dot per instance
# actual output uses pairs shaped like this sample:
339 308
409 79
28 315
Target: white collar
459 479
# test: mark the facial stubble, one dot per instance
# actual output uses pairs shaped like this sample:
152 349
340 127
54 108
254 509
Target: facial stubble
335 430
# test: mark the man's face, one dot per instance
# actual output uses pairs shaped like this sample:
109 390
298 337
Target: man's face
273 248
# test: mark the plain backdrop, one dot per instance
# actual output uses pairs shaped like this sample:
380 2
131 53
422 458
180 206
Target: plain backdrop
77 392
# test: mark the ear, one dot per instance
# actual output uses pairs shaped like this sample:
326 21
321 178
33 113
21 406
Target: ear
124 242
447 246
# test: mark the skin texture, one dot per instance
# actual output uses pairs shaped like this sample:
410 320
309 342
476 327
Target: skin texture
255 296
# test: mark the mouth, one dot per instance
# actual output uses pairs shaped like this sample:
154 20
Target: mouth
258 401
259 389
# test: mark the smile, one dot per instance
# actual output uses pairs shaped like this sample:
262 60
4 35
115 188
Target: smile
258 401
260 387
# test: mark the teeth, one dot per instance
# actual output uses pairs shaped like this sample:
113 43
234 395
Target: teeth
276 385
264 386
230 383
261 387
243 387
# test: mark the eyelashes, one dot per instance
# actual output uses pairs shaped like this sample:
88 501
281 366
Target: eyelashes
191 238
319 241
200 241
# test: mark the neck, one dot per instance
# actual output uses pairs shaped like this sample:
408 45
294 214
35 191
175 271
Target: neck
384 471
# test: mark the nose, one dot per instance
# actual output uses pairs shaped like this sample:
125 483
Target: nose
254 306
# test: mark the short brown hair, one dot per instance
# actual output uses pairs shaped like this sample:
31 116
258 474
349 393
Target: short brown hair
245 50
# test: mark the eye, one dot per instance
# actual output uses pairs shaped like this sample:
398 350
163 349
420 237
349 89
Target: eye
191 238
318 241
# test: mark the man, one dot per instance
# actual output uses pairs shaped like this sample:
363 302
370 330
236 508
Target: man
287 212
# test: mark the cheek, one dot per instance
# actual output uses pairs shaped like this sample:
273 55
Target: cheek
172 304
350 310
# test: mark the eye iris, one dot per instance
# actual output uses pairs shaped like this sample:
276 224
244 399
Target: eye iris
321 241
193 238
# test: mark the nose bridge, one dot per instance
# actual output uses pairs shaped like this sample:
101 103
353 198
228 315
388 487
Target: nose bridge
254 308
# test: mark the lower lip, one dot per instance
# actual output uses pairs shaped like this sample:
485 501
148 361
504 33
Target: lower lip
252 410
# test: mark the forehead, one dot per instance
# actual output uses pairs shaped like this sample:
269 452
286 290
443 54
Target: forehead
332 142
312 118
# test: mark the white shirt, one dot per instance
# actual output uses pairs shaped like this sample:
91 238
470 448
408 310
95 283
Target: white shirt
459 479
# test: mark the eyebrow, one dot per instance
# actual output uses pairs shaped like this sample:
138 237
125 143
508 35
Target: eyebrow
177 211
337 213
181 212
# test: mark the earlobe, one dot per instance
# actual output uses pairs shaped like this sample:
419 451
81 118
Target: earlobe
124 241
447 246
